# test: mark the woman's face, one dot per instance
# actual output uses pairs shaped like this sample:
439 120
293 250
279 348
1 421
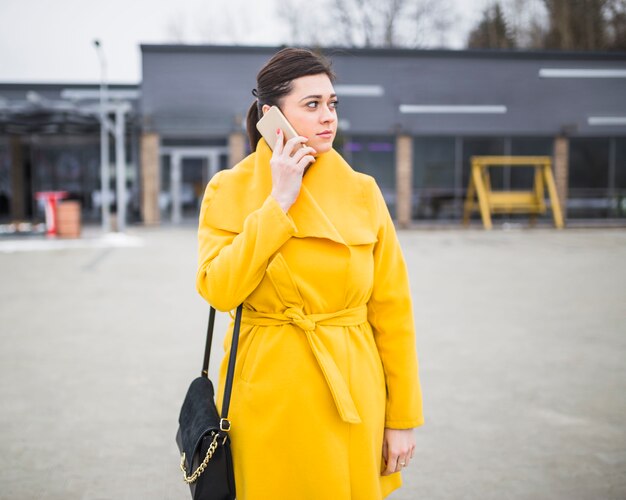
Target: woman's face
310 107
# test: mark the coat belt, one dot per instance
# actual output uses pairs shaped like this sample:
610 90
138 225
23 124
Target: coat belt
295 316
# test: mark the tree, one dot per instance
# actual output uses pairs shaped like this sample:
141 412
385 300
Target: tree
368 23
301 29
615 15
528 21
575 25
176 28
492 31
586 24
555 25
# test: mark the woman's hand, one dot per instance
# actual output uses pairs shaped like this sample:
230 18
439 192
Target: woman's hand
398 449
288 163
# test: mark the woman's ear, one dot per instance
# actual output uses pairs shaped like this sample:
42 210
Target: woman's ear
265 108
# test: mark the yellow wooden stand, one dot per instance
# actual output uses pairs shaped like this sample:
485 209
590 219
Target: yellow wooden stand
489 202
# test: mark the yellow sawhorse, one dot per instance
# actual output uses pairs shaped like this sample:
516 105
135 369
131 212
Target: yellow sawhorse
491 202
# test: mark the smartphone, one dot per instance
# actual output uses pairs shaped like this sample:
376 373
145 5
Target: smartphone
272 120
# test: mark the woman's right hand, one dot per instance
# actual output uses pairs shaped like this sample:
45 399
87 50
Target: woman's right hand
287 164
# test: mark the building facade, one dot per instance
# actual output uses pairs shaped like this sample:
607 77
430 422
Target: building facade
50 141
411 118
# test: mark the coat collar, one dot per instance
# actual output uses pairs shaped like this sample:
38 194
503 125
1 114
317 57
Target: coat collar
325 207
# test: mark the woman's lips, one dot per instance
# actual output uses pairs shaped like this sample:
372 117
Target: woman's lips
326 133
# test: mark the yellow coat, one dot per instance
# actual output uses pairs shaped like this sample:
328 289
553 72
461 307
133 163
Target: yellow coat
327 354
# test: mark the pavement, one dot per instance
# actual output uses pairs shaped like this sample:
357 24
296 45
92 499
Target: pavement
521 339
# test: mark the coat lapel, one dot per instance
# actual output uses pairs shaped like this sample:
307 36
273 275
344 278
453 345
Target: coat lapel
311 220
325 207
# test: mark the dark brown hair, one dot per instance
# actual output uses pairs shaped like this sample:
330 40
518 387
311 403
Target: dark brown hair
274 82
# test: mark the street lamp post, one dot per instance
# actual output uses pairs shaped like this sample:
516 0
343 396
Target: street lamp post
104 143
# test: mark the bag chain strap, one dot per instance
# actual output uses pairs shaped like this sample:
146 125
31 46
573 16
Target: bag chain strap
202 466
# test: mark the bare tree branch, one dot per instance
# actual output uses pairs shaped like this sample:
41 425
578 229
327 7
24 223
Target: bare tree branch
176 29
345 13
368 23
300 28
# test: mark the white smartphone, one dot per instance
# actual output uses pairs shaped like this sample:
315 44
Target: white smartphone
272 120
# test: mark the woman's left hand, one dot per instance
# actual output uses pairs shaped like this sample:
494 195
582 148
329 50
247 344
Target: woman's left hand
398 449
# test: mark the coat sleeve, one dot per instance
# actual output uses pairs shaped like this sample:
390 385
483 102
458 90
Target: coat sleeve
390 312
231 264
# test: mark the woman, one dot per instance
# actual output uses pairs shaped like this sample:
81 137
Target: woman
326 391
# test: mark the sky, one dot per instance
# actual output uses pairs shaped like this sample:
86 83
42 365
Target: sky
52 40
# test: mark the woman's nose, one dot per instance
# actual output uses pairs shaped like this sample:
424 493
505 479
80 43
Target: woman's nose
327 115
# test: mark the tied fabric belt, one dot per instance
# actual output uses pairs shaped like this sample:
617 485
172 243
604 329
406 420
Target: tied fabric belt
295 316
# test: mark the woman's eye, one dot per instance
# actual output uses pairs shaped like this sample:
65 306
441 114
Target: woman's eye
315 104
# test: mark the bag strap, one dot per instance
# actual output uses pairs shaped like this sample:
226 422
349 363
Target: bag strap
224 424
231 367
209 341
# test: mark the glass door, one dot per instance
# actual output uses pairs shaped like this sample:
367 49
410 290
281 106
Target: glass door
190 169
195 176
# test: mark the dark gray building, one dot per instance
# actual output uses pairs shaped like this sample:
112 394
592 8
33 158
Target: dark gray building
411 118
439 107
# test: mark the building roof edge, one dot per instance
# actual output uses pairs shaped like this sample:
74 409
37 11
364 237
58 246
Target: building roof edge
398 52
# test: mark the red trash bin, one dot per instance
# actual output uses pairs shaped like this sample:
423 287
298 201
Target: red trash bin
50 199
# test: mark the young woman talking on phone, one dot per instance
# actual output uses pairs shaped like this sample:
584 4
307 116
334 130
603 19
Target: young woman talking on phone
326 391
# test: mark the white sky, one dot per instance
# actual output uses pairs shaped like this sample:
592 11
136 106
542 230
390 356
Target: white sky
52 40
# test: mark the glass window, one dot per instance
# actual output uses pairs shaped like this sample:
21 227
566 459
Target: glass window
620 177
375 156
522 178
223 161
69 164
483 146
165 196
588 177
194 141
5 179
434 178
620 163
194 179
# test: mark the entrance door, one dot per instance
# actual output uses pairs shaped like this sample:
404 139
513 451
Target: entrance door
195 174
190 171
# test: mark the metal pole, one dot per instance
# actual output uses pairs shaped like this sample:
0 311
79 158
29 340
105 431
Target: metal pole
175 187
105 195
120 168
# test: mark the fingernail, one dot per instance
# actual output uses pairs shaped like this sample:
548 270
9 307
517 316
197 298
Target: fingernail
277 131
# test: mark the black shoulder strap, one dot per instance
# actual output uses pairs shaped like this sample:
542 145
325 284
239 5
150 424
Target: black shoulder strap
209 341
231 360
231 364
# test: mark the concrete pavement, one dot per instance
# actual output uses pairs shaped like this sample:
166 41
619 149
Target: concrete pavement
521 338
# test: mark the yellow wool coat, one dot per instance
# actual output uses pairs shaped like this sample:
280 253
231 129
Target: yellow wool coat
326 356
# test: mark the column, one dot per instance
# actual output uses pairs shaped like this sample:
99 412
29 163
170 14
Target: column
120 168
561 171
404 179
236 147
176 176
18 206
150 179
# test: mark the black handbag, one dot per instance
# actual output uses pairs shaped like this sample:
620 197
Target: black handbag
202 435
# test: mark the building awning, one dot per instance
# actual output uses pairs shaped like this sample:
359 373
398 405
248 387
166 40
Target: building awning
39 115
